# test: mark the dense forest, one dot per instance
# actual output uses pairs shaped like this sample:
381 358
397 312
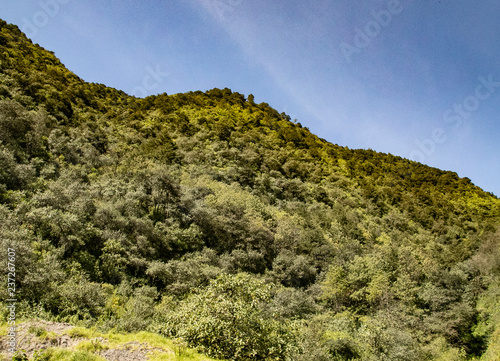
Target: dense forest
211 219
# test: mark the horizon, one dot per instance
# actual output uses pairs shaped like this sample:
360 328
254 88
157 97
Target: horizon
392 76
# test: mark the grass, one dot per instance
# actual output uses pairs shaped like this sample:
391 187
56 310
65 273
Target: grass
53 354
94 341
3 329
38 331
175 351
91 346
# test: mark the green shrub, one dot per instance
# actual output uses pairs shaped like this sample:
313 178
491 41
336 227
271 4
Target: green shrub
38 331
225 320
82 300
138 311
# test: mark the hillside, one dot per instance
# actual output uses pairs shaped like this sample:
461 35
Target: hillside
215 220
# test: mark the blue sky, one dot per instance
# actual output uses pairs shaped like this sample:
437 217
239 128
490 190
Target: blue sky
418 79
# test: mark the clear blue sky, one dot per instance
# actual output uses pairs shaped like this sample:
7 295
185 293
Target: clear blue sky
419 79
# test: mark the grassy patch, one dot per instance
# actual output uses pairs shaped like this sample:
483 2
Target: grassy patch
3 329
82 332
71 355
175 351
93 342
91 346
38 331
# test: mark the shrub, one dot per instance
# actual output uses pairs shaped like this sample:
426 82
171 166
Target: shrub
225 320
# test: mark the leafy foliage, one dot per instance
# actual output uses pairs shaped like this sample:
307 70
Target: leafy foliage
226 320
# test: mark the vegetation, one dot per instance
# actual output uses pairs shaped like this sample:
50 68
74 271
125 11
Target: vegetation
209 218
92 345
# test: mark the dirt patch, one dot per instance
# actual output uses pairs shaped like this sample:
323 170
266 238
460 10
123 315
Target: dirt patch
36 335
131 351
56 327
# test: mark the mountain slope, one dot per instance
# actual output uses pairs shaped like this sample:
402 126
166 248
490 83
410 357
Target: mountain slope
186 214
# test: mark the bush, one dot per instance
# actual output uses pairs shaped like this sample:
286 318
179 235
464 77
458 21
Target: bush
138 311
81 300
292 303
293 270
225 320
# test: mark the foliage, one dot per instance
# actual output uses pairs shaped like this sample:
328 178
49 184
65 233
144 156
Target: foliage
37 356
226 321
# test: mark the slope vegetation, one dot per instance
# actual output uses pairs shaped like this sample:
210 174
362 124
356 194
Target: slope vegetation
209 218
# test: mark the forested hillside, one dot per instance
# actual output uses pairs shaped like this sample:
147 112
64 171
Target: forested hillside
218 221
